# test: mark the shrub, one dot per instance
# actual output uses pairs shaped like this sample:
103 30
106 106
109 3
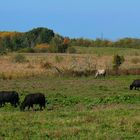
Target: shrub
42 48
27 50
135 60
71 50
19 58
46 65
58 59
59 44
136 54
3 51
30 66
117 61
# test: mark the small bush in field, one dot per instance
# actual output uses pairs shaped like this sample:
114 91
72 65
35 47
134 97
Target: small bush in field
136 54
58 59
27 50
3 51
71 50
46 65
135 60
19 58
5 76
42 48
117 62
30 66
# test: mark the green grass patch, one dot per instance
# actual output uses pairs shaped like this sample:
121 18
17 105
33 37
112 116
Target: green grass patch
77 108
101 51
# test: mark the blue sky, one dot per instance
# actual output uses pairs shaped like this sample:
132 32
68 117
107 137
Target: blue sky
74 18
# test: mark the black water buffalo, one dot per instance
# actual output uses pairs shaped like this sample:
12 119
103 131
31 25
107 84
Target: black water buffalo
30 99
9 97
135 84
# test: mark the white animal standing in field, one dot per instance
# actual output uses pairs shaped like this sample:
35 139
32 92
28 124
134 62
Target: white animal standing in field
100 73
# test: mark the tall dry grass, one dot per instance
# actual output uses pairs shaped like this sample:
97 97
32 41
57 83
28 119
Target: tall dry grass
62 64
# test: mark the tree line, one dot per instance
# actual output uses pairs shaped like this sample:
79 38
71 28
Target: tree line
45 40
122 43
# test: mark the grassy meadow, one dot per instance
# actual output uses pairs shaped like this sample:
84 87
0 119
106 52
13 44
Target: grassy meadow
100 51
77 108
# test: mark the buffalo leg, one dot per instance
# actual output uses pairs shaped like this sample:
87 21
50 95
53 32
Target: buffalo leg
0 104
41 107
28 107
13 104
32 106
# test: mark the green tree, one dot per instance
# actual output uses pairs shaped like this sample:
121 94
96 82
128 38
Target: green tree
59 44
16 43
37 36
56 43
6 43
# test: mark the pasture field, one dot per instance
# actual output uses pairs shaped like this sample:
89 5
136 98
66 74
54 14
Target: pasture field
78 108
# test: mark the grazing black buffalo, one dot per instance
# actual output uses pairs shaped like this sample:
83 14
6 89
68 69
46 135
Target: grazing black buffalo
9 97
135 84
30 99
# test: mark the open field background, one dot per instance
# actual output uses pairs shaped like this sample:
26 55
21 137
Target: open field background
78 107
100 51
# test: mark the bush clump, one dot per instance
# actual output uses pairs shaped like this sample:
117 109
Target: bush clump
117 62
27 50
71 50
58 59
19 58
135 60
42 48
46 65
